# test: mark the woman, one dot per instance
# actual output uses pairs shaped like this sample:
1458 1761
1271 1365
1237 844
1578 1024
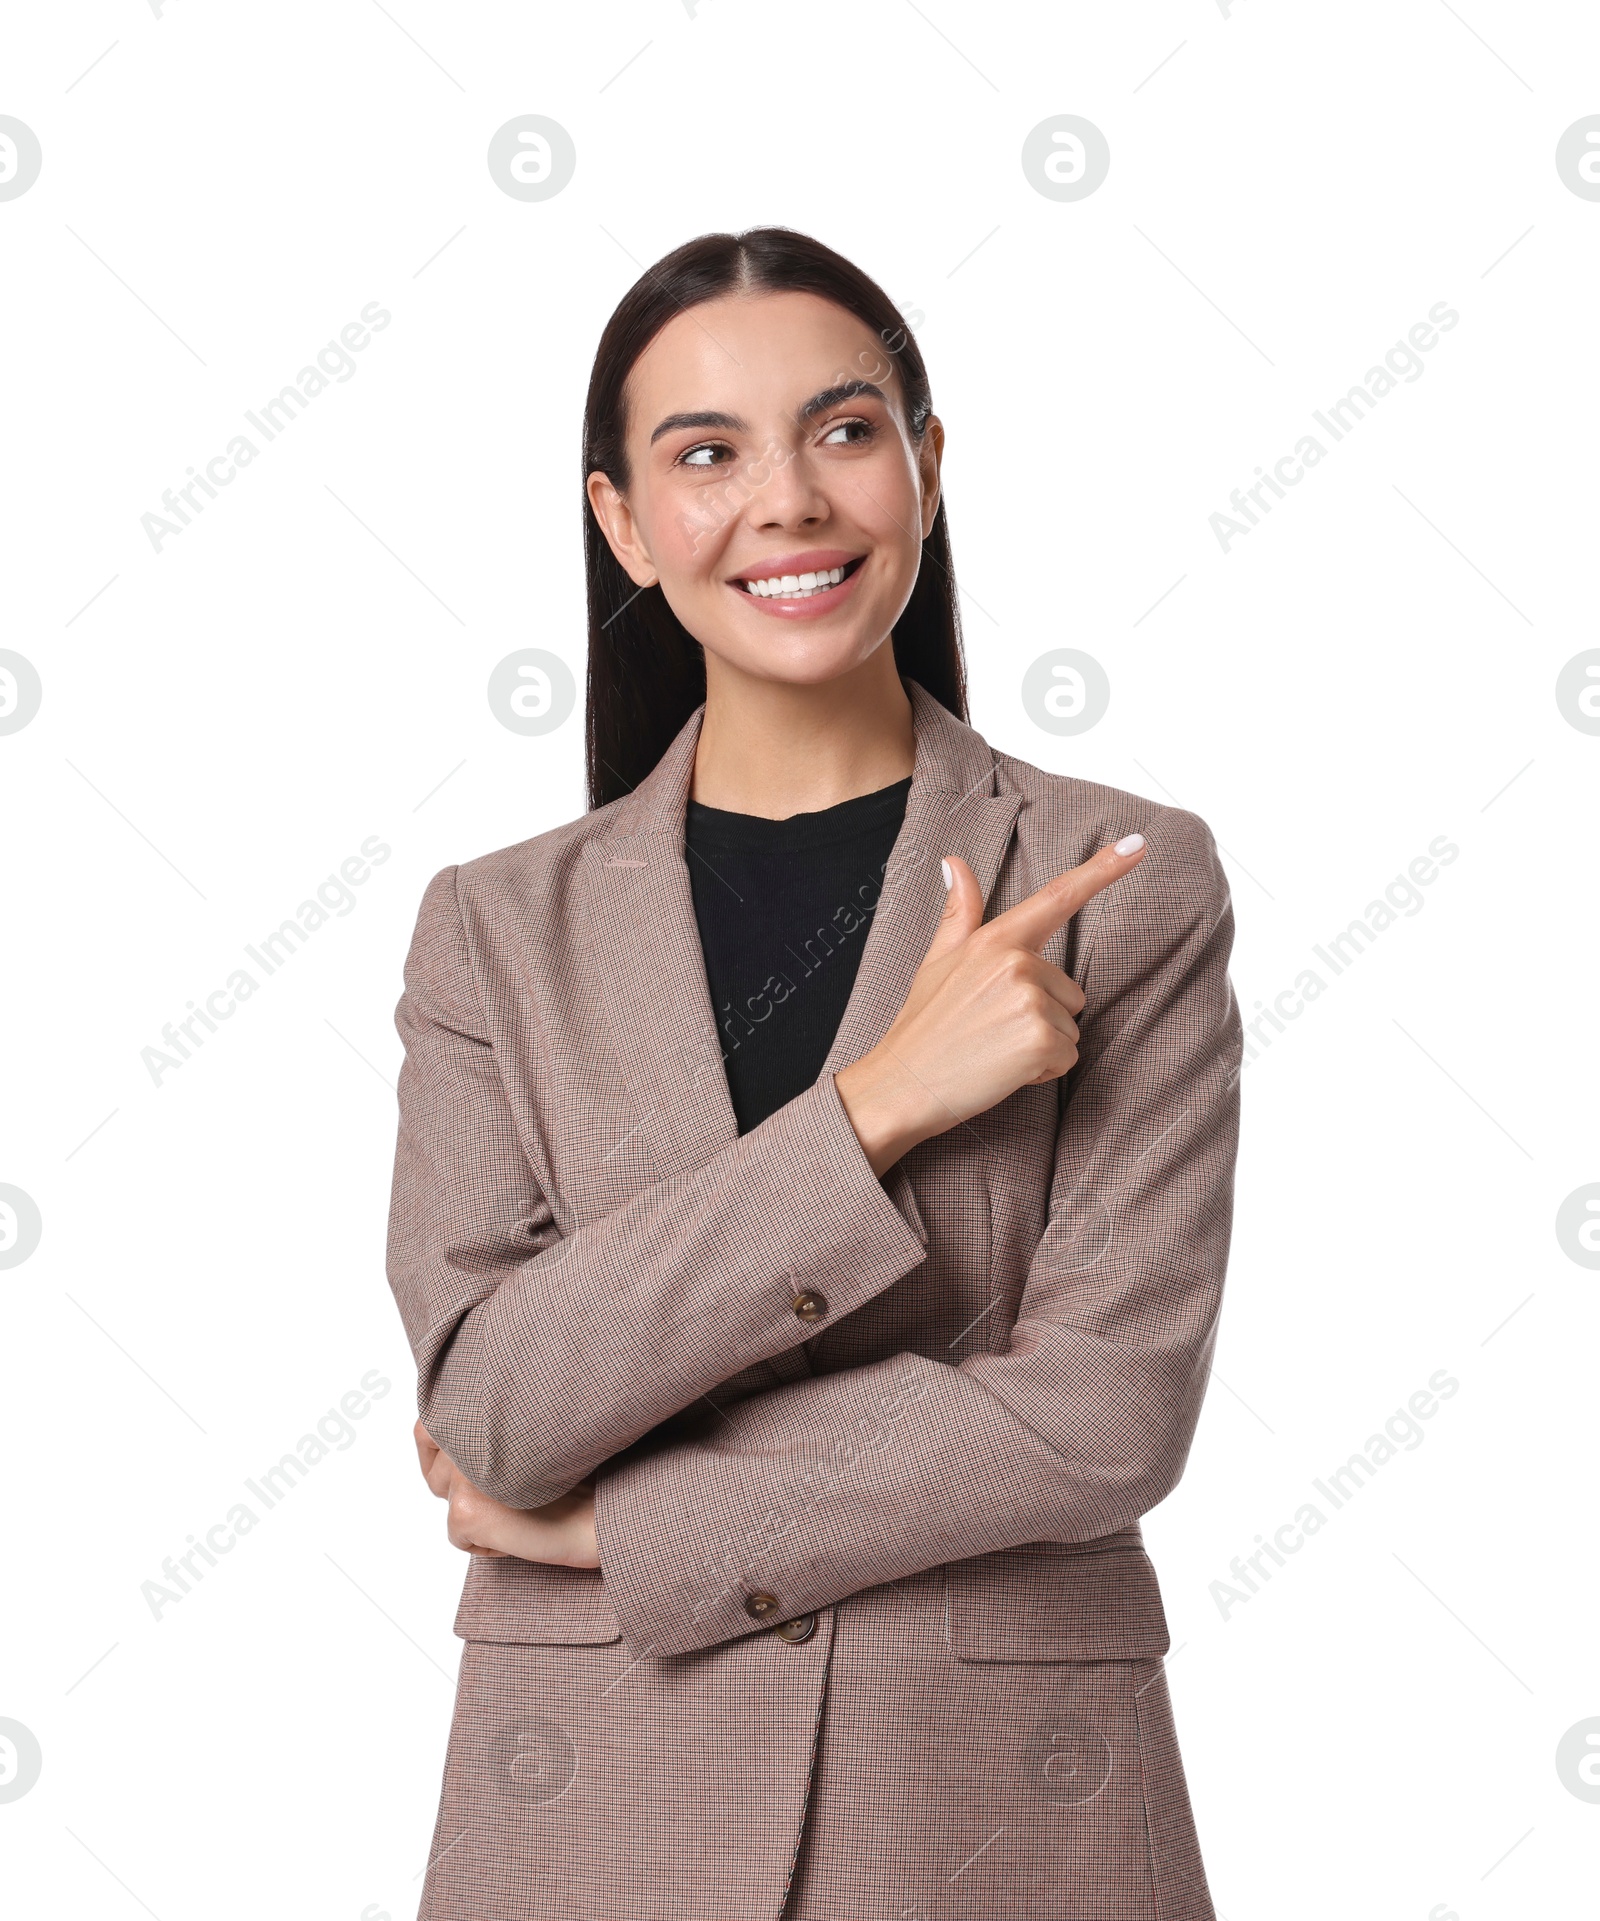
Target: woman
811 1203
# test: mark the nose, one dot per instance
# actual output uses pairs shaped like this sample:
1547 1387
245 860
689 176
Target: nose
791 495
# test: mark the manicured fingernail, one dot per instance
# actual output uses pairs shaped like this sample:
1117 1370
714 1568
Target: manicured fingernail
944 868
1129 844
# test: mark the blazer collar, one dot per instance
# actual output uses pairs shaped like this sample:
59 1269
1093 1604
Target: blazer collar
638 922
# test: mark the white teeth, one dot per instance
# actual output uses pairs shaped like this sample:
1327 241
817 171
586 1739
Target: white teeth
795 586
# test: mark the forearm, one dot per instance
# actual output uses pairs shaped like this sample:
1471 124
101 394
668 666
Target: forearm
816 1490
563 1360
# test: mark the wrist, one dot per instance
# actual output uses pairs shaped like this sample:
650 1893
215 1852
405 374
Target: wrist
875 1093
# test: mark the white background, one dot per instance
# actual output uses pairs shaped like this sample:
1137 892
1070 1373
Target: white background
225 721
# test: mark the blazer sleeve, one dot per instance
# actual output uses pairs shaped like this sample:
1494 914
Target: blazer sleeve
541 1354
819 1488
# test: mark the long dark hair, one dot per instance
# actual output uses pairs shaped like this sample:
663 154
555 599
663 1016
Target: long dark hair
647 672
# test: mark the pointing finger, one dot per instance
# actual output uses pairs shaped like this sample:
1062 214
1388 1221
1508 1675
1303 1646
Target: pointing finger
1032 921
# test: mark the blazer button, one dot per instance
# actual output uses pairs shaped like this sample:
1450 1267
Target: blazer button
810 1306
760 1606
801 1628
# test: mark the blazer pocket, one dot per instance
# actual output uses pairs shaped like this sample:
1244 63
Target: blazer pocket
1056 1601
505 1599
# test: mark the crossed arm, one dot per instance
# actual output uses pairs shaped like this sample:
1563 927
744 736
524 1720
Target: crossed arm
538 1370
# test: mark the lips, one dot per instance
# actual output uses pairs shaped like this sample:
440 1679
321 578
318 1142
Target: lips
796 602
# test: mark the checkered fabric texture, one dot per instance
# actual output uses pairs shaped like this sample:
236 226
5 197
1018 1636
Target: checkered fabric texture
933 1488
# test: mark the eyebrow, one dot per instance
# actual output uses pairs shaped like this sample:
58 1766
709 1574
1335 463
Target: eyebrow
817 404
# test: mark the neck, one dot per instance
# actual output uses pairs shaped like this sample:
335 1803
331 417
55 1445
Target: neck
776 748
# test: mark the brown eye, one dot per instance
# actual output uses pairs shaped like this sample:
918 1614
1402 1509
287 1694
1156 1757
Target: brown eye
839 427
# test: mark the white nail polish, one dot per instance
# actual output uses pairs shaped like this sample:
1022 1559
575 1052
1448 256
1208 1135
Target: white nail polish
1129 844
944 868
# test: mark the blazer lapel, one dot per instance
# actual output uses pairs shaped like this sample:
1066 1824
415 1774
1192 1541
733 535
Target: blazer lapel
638 924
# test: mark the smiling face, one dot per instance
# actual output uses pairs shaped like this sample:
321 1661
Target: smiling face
775 489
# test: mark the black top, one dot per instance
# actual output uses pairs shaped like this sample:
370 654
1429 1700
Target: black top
784 908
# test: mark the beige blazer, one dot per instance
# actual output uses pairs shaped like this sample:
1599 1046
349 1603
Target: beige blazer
870 1455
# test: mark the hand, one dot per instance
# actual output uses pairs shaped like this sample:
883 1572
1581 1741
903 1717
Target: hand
985 1014
561 1534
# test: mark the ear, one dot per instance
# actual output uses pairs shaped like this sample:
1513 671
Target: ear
929 455
621 530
